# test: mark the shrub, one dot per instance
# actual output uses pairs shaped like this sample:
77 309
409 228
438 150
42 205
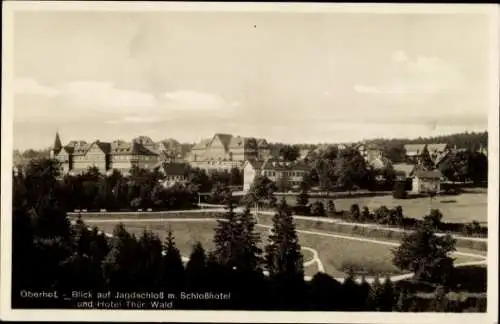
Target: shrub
399 190
317 209
355 212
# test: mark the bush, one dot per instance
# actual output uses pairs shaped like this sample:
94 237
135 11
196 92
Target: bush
317 209
399 190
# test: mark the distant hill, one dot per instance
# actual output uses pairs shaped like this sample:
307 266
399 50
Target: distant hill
473 141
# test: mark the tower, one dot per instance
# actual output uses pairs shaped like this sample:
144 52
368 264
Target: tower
57 147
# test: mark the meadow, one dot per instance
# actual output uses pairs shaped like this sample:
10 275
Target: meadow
463 208
338 254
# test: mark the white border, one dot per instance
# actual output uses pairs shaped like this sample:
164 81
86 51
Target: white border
232 316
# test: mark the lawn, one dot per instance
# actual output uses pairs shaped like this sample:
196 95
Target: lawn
462 208
337 254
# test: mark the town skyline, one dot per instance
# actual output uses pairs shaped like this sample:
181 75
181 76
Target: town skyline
129 138
286 77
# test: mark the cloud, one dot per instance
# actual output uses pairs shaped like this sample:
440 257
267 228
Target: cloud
30 86
188 100
366 89
420 76
105 96
399 56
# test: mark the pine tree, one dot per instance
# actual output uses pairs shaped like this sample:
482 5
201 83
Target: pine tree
119 265
236 242
284 260
283 256
387 295
150 260
173 268
196 268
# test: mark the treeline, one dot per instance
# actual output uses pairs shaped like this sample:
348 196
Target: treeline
142 189
394 148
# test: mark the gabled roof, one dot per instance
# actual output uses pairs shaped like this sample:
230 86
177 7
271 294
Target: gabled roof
256 164
203 144
67 149
104 146
412 149
403 168
436 147
238 141
225 139
81 149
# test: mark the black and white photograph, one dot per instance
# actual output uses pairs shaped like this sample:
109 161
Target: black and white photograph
241 162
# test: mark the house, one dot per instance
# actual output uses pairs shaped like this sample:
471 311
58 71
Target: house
422 180
174 173
78 156
426 181
277 170
251 169
225 151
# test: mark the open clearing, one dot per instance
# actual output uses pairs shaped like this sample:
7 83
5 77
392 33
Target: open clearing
463 208
337 253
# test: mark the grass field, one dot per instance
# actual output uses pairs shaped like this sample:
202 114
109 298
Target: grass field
463 208
338 255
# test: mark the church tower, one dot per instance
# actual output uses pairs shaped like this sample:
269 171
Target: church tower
57 147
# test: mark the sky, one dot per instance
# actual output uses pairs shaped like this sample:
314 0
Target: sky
287 77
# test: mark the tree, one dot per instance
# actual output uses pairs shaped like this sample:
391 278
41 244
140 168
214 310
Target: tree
433 220
426 254
150 260
235 177
302 205
173 268
350 169
262 189
283 259
236 242
283 256
119 266
196 268
290 153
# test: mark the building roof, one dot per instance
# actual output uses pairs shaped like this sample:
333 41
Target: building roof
201 145
403 168
224 139
440 147
278 164
414 149
238 141
433 174
256 164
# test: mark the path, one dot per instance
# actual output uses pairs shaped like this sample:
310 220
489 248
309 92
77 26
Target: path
219 208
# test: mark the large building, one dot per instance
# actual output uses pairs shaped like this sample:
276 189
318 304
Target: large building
78 156
289 173
225 151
